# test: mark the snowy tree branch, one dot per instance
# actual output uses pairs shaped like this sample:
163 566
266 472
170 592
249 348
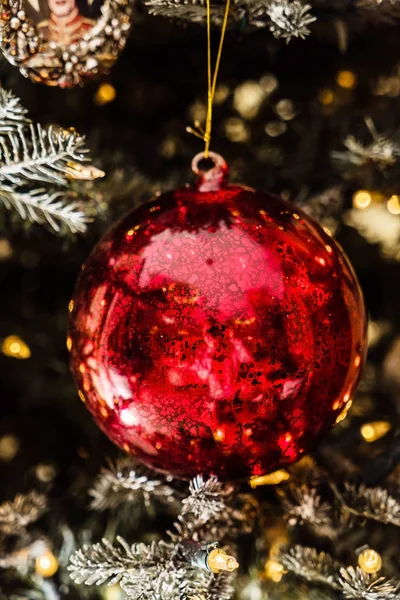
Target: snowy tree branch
36 164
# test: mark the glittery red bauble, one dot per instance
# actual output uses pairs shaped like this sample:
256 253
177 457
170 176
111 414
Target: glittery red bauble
218 330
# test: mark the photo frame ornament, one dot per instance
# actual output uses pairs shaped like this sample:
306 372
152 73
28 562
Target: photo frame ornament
64 65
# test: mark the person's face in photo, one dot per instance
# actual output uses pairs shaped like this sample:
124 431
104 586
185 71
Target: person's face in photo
61 8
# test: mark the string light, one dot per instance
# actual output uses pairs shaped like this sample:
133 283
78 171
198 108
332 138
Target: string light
285 109
221 93
45 473
370 561
247 99
271 479
46 564
105 94
168 148
361 199
9 447
274 570
113 593
393 205
269 83
236 130
326 97
375 430
83 172
5 249
346 79
218 560
14 347
275 128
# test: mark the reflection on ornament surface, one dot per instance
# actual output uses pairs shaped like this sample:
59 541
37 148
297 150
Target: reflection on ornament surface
217 332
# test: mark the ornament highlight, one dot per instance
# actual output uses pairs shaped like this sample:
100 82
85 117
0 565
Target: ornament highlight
217 330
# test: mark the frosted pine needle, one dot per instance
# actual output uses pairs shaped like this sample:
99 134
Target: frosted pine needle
207 498
304 505
320 567
289 19
369 503
125 481
36 165
16 515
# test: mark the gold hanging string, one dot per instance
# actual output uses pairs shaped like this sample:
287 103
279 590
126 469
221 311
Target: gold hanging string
198 131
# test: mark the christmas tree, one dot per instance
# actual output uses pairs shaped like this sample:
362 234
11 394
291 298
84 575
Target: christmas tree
305 106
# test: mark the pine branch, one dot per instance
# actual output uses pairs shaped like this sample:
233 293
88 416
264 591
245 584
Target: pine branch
382 153
213 511
41 206
289 19
172 579
161 570
207 498
35 163
126 482
31 153
357 584
286 19
325 206
311 565
152 572
320 567
103 562
16 515
186 10
12 113
22 558
369 503
304 505
220 587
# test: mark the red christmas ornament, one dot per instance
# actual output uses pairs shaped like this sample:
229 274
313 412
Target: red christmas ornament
217 330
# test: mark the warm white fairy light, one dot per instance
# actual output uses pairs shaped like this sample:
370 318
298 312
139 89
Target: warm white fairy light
362 199
247 99
46 564
105 94
375 430
270 479
393 205
9 447
346 79
370 561
13 346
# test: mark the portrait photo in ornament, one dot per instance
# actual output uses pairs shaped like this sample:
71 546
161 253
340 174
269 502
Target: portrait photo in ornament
63 22
64 43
